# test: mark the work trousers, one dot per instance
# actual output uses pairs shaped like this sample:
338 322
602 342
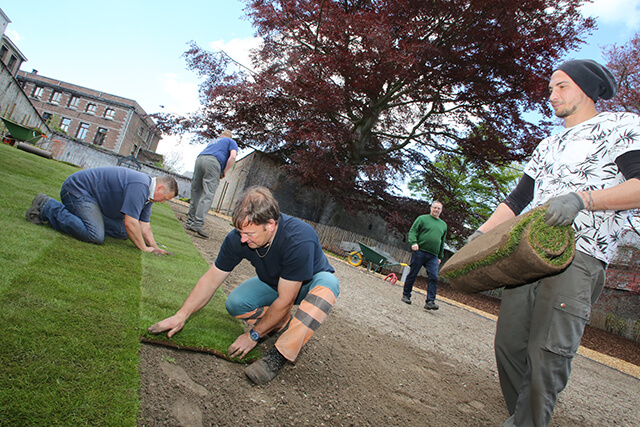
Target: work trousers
538 333
81 219
251 300
204 184
430 262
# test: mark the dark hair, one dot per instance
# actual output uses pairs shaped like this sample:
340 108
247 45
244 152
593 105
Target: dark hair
169 183
256 206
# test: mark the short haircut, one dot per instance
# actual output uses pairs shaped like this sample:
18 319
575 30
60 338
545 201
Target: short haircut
226 133
256 206
169 183
437 201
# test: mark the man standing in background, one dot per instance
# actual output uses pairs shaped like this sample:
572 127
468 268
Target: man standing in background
212 164
426 237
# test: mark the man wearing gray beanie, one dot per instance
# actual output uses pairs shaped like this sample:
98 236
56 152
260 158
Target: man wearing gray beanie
588 176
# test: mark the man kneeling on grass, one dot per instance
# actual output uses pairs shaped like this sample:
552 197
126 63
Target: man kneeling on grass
108 201
291 270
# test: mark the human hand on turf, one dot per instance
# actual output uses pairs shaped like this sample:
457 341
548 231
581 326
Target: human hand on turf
241 346
172 324
562 210
474 236
162 252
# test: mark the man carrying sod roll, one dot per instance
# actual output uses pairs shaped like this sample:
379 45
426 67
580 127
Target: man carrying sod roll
588 175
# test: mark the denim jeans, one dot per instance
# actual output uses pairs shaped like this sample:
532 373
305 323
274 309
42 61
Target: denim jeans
81 219
254 293
430 262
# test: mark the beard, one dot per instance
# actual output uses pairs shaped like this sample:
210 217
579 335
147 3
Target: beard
566 112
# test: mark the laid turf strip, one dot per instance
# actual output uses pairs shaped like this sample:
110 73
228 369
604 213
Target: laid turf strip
72 314
166 283
70 346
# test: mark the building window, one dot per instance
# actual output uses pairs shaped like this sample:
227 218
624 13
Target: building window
12 62
46 117
92 108
56 97
65 123
110 113
74 101
37 92
101 135
83 130
143 133
3 52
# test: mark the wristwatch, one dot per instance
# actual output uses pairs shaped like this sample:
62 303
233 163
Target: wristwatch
254 335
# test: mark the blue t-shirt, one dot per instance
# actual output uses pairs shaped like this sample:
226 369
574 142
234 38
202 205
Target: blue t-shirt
295 253
220 149
116 190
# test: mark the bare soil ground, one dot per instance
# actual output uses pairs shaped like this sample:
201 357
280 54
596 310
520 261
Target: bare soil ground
375 362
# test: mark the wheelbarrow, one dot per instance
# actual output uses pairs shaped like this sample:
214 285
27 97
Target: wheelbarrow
366 253
26 137
23 133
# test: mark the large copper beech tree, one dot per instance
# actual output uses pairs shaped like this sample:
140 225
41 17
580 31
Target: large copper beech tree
624 63
353 94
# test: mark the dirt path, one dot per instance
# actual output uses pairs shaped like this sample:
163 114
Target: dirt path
375 362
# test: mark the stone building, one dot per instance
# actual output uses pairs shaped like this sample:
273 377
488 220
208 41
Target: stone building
110 122
10 55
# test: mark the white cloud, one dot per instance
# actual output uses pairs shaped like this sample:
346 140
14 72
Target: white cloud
237 49
615 12
179 152
182 98
13 35
182 95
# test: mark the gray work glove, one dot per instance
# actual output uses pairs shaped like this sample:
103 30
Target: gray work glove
563 210
474 236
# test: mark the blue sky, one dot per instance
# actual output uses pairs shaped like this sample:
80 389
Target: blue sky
134 48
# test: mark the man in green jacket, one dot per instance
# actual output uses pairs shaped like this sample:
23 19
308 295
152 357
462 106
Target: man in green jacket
426 238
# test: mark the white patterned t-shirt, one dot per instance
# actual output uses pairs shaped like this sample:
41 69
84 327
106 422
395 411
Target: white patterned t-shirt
582 158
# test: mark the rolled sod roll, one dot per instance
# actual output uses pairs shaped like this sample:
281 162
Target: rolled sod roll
516 252
35 150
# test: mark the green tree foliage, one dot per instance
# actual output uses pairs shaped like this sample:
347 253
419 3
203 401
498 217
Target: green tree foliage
353 95
468 192
54 124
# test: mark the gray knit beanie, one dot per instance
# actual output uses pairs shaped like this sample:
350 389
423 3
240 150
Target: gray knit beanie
594 79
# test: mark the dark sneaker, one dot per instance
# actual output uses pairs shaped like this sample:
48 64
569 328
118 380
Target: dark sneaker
266 369
33 213
200 232
431 305
406 299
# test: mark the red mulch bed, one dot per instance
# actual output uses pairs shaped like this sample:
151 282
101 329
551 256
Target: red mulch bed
593 338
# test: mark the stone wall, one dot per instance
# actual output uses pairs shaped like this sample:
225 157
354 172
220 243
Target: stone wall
259 169
14 104
89 156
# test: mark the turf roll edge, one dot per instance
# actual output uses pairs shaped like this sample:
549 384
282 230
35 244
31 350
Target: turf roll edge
519 251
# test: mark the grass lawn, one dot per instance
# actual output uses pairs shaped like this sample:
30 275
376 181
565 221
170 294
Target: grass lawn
73 313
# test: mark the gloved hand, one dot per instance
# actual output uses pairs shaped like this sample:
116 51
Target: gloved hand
474 236
563 210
